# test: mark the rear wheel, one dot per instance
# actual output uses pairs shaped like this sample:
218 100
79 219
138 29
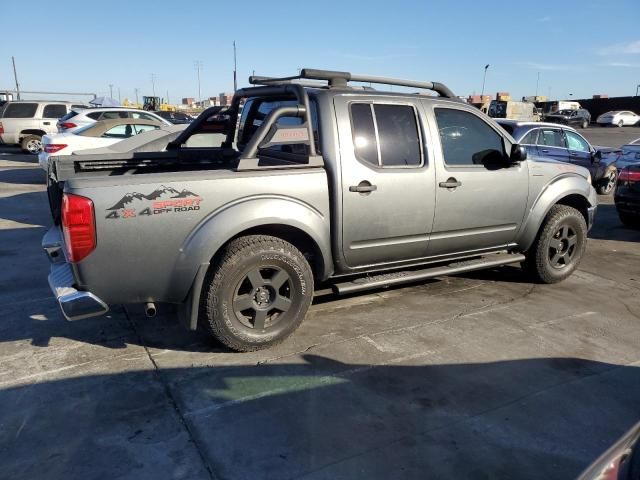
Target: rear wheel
585 124
258 294
31 144
607 183
559 247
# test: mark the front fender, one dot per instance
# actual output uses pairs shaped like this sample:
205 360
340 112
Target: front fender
602 167
558 188
240 215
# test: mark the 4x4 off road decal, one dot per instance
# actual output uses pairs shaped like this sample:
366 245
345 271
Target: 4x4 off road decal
162 200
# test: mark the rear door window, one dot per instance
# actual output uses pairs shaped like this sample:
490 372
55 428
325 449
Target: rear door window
530 138
111 115
20 110
386 135
551 138
144 128
54 110
119 131
143 116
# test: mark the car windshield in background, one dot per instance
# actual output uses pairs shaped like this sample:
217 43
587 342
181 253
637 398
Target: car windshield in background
567 113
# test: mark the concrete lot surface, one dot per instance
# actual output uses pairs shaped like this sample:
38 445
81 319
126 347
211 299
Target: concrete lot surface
477 376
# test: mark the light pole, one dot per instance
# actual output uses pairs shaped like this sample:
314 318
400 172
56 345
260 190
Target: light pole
235 68
153 83
111 90
136 90
15 76
637 87
198 65
537 83
484 77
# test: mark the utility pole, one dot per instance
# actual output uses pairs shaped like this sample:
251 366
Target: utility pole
484 77
153 83
168 97
537 83
15 76
111 90
235 68
119 97
637 88
136 91
198 65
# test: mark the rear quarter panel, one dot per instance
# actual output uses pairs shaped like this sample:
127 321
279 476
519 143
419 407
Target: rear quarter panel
155 230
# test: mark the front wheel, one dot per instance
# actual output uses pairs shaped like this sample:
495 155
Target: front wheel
621 123
257 294
607 183
585 124
559 247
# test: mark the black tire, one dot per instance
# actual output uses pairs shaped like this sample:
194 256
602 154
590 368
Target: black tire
257 294
31 144
628 220
607 184
559 246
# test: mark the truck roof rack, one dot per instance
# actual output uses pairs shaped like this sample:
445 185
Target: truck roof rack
337 79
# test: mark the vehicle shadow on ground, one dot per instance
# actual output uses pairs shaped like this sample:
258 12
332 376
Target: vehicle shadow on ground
24 176
322 419
609 227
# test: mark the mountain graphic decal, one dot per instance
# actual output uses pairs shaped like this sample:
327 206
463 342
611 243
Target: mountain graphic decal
160 193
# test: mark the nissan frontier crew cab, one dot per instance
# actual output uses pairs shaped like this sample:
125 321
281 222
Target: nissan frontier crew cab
318 183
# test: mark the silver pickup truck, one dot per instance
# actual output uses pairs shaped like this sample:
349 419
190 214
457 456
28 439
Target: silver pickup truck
318 184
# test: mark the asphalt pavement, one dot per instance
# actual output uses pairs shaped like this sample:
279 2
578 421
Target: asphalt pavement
477 376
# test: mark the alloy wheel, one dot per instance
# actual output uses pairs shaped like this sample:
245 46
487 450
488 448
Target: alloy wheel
262 297
562 247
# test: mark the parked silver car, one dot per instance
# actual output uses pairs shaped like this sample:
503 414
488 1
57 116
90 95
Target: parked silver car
78 118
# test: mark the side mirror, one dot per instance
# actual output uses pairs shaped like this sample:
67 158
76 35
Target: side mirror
596 156
518 153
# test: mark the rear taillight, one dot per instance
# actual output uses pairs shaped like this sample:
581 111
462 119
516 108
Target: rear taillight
54 147
67 125
78 226
627 177
1 128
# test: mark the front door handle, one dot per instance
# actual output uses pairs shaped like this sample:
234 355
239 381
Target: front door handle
450 183
363 187
544 150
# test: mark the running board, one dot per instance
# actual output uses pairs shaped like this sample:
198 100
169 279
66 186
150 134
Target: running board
397 278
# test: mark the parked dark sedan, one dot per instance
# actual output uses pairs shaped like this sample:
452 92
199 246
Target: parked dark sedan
627 196
576 118
176 118
565 144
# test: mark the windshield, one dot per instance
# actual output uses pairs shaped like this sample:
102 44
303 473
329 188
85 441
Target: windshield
566 113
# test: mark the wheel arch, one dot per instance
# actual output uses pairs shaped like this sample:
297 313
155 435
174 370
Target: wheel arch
32 131
570 190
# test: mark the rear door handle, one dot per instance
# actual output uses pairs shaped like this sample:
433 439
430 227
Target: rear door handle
47 123
544 150
363 187
450 183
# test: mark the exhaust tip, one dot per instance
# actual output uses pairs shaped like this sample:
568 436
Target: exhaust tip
150 309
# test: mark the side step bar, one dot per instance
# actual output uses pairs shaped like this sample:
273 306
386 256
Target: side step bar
397 278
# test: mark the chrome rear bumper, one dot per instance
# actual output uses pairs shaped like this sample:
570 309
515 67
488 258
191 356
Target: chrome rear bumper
75 304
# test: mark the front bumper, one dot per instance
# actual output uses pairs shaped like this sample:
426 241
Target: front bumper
591 211
75 304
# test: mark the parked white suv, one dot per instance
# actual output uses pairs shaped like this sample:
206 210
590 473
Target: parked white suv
78 118
25 122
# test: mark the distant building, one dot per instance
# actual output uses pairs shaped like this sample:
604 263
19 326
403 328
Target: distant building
475 99
225 98
188 101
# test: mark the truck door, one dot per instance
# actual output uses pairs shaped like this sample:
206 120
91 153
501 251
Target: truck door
480 198
387 183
